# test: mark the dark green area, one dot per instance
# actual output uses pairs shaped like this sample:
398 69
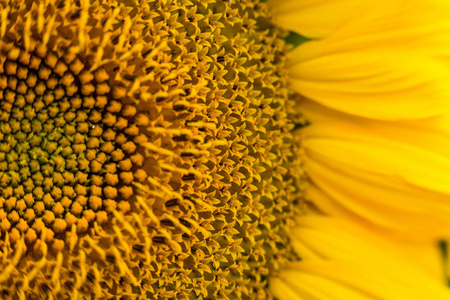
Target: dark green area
300 125
296 39
443 246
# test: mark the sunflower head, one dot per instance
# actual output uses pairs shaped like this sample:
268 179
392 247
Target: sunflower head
145 149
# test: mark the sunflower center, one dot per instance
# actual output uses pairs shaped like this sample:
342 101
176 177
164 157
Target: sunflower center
66 158
198 89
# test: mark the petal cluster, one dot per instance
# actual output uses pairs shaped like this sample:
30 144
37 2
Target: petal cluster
344 261
374 77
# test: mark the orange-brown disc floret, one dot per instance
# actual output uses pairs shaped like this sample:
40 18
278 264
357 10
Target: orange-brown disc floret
146 150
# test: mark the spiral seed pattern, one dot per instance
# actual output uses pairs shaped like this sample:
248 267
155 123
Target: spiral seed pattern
146 150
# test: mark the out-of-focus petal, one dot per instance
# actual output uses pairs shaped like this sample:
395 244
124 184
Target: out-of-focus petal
348 261
314 18
389 173
387 61
342 280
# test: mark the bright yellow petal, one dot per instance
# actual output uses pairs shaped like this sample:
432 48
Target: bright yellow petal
347 238
406 218
387 173
379 84
382 157
394 206
382 174
439 126
354 262
314 18
388 61
342 280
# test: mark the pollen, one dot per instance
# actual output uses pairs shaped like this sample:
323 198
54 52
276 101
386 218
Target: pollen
146 150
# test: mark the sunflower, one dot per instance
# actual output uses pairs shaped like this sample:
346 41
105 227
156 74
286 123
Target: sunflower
155 149
374 76
147 150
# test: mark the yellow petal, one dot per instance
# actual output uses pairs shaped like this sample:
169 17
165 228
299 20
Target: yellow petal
354 262
376 151
379 84
389 61
342 280
392 205
314 18
346 238
439 125
393 174
382 157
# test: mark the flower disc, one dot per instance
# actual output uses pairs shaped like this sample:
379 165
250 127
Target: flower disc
145 150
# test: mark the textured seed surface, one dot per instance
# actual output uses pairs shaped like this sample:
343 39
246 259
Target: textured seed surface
146 150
